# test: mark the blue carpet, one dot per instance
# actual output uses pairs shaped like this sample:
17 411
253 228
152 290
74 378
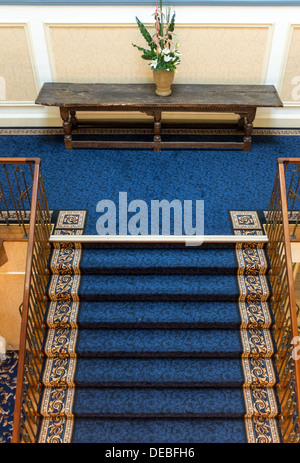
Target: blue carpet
164 342
184 314
159 287
205 372
173 260
8 382
160 431
224 179
196 402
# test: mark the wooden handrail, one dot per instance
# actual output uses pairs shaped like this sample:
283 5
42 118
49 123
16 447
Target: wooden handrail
27 284
20 161
289 269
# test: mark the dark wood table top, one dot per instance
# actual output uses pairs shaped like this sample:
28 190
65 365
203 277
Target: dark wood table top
129 95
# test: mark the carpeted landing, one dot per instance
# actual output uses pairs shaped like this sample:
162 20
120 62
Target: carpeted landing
153 344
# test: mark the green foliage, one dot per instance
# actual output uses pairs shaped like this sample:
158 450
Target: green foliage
172 24
145 33
163 52
147 54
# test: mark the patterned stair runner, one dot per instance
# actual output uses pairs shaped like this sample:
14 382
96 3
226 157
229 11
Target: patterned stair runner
188 358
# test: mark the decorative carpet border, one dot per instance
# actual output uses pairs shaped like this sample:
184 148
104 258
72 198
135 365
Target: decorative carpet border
61 343
62 314
187 131
245 220
58 401
258 372
253 315
57 404
64 288
253 288
65 260
12 215
258 347
58 429
257 343
71 219
260 402
261 430
59 372
251 260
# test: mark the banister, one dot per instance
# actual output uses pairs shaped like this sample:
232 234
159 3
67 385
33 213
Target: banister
24 320
286 331
20 161
289 271
193 240
36 231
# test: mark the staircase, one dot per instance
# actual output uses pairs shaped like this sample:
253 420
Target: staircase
158 343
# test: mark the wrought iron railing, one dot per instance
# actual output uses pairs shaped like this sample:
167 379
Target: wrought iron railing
23 202
282 230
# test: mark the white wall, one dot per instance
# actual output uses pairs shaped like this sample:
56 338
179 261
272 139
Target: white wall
271 56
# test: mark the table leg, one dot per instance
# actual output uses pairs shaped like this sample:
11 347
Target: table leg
241 123
74 120
248 129
157 130
67 126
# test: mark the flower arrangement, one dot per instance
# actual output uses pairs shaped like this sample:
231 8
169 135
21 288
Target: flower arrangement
163 52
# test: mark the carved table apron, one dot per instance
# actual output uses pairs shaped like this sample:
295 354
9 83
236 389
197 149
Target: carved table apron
242 100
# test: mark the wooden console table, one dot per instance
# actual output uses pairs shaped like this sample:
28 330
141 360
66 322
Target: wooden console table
238 99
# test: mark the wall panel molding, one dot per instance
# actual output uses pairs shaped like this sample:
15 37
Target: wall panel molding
71 46
289 82
20 72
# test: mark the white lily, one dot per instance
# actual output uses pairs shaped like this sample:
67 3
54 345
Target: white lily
167 58
153 65
166 51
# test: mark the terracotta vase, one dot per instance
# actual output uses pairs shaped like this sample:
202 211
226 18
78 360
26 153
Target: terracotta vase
163 80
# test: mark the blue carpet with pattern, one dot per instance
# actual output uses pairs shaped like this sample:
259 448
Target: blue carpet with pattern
8 382
224 179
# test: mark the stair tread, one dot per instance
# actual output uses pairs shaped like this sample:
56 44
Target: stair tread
199 342
121 402
189 431
213 314
183 260
95 287
163 372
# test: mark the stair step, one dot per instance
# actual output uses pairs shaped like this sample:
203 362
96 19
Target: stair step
223 288
138 314
183 260
156 403
207 430
158 372
159 343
